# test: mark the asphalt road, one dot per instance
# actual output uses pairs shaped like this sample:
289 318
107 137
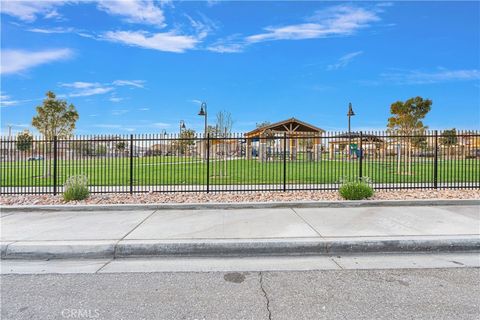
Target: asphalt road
334 294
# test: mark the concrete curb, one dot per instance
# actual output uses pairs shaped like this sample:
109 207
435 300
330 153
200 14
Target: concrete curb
242 205
237 247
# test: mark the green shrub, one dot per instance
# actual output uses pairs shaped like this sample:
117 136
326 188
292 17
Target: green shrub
356 189
76 188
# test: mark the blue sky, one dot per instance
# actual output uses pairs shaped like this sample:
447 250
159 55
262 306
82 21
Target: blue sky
141 66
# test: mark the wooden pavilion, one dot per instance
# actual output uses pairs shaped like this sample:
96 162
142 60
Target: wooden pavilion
299 135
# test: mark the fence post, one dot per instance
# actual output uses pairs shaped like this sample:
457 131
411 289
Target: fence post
131 163
435 162
55 165
284 161
208 161
360 160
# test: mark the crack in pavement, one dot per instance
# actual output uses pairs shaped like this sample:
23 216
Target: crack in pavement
265 295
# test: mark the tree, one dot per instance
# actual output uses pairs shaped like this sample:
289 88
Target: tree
24 141
449 137
101 150
186 139
406 121
224 123
120 146
223 126
407 116
84 148
212 131
55 118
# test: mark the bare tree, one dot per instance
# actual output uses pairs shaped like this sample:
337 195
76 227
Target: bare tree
224 123
223 126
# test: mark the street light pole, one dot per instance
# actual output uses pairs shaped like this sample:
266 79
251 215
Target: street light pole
203 113
349 114
182 126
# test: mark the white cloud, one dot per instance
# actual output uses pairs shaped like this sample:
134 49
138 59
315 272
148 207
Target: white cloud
212 3
29 11
226 48
80 85
161 125
119 112
135 11
52 30
85 89
144 109
90 92
132 83
167 41
334 21
115 99
230 44
421 77
107 126
344 60
196 101
202 26
14 61
6 101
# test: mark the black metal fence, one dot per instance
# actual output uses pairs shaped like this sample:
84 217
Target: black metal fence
273 161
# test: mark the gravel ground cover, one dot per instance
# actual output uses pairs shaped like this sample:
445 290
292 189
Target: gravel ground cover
119 198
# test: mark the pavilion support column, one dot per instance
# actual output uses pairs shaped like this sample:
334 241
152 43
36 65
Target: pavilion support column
317 151
292 150
248 150
331 151
262 150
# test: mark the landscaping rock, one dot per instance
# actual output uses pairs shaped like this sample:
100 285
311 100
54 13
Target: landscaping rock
232 197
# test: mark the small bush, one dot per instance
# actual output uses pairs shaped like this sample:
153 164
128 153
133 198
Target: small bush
76 188
356 189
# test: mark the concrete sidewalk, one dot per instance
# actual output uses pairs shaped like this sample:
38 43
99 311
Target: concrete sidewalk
279 231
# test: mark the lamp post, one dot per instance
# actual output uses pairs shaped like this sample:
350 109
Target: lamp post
182 126
349 114
203 113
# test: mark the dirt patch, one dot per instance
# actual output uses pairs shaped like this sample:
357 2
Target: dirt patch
234 277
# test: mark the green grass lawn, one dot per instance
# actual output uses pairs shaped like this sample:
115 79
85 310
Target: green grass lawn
188 170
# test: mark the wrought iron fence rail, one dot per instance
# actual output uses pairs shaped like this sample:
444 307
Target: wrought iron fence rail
277 161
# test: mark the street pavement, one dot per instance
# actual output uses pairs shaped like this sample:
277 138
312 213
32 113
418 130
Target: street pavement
329 294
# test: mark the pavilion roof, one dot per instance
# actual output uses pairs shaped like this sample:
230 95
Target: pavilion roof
290 126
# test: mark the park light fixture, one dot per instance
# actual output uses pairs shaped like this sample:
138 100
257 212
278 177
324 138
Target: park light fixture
182 125
350 110
203 113
349 115
203 109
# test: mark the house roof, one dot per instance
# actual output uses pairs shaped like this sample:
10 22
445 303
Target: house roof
290 126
